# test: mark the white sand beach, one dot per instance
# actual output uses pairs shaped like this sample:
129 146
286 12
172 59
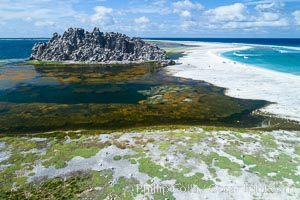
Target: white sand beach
241 80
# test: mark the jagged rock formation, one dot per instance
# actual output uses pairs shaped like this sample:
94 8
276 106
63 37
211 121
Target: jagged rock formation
78 45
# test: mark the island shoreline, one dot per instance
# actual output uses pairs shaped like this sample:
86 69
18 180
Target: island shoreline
240 80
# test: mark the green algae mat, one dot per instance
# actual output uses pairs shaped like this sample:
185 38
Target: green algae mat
153 163
36 98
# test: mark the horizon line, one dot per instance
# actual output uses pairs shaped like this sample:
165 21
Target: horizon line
172 38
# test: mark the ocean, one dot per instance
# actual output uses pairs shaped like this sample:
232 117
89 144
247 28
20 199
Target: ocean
278 58
16 50
276 54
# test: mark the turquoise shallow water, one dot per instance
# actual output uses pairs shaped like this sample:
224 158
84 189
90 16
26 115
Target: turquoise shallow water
278 58
279 54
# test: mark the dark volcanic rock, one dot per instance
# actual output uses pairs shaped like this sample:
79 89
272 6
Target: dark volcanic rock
78 45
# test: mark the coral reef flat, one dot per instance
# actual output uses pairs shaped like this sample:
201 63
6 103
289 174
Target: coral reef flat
154 163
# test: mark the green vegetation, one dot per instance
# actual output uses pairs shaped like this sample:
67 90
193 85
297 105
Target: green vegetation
20 159
64 63
164 146
36 62
234 169
71 188
153 170
297 150
214 160
269 141
161 195
117 158
123 189
169 53
56 155
283 167
189 156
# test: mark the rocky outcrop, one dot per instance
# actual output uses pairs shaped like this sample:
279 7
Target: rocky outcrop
78 45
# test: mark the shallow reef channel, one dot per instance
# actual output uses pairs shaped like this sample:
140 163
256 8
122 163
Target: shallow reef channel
37 98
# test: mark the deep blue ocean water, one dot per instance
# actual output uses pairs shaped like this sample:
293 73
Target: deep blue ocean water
274 53
15 50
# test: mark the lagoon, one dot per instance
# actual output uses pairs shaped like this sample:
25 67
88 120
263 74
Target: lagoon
37 98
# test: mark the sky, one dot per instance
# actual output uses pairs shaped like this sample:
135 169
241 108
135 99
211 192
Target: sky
156 18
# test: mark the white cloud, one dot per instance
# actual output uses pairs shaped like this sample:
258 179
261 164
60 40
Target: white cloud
44 23
42 17
251 2
269 16
238 16
187 5
155 7
269 6
184 8
258 23
188 24
185 13
141 23
103 16
234 12
28 16
141 20
35 10
296 15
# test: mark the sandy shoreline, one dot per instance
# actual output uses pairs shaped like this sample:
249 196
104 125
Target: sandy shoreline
241 80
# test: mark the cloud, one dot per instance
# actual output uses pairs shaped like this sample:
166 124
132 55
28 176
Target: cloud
141 20
184 8
185 13
269 16
186 5
102 16
250 2
44 23
296 15
274 6
141 23
238 16
37 17
234 12
257 23
269 11
188 24
142 17
155 7
35 10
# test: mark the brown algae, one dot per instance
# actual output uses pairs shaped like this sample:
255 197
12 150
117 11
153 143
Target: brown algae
109 97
